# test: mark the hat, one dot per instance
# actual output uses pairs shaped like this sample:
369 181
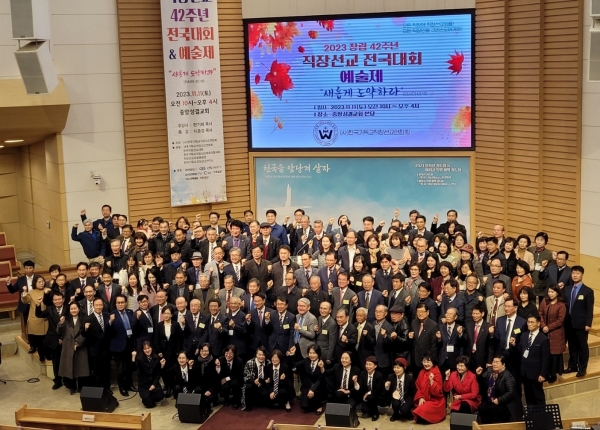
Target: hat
174 250
265 224
196 256
397 309
401 362
467 248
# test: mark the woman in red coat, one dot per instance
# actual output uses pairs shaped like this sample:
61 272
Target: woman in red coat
463 384
552 313
429 398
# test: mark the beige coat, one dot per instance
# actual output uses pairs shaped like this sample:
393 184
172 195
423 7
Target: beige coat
36 326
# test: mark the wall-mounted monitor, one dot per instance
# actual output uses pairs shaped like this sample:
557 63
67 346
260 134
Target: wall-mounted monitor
401 81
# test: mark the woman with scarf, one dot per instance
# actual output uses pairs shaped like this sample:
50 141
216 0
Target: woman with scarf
168 342
542 257
207 376
140 247
149 368
444 253
373 253
74 356
500 403
511 256
399 252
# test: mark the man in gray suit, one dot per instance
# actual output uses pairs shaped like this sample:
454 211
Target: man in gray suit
326 331
204 293
495 275
215 268
229 291
304 333
342 296
283 266
304 273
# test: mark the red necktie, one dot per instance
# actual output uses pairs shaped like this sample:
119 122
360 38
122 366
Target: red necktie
477 327
228 297
265 251
421 329
494 312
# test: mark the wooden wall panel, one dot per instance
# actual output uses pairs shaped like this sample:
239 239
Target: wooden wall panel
144 113
528 110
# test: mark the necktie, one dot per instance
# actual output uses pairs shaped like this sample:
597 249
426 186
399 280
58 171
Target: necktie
236 242
58 311
281 320
195 322
297 335
185 379
125 319
197 276
261 375
386 273
399 388
508 332
212 321
237 271
160 314
82 284
212 252
276 381
101 321
573 297
251 302
449 331
530 341
367 300
228 298
229 365
370 382
329 274
90 308
260 317
341 296
307 275
421 330
149 318
313 365
476 335
265 251
493 321
345 380
108 288
360 330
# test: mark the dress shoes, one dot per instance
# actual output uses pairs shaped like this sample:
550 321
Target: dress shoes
124 393
393 418
580 374
569 370
236 407
57 385
134 389
374 417
73 391
31 351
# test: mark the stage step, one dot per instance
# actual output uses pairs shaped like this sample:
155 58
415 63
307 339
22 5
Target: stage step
33 360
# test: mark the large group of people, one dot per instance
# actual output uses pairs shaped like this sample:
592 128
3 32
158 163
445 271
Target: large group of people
261 314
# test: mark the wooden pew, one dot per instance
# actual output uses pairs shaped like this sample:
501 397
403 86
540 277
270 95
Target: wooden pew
53 419
303 427
521 424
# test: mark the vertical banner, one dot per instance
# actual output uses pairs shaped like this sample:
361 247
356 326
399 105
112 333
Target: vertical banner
327 187
193 96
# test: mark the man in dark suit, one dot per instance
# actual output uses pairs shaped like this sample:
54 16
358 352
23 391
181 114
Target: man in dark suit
326 331
342 297
259 268
350 250
421 229
98 341
397 295
235 239
383 276
303 274
365 333
449 341
87 303
24 283
329 273
423 333
108 291
260 322
301 237
347 335
180 289
156 310
478 338
184 318
315 294
121 325
557 274
471 297
382 340
270 244
535 362
237 269
282 337
248 299
213 328
207 247
237 328
283 266
369 298
193 273
371 389
580 313
230 371
450 300
144 329
291 292
53 314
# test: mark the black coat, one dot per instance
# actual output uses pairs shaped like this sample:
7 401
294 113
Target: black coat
282 337
505 390
377 384
352 337
240 332
53 317
426 343
408 388
96 339
484 350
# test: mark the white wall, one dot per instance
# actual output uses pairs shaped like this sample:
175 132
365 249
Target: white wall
86 55
281 8
590 152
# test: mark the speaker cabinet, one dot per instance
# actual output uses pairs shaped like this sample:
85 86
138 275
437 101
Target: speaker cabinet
36 67
30 19
340 415
462 421
97 399
189 408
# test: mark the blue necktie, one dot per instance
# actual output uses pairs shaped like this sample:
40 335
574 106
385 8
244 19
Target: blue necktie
297 335
125 319
573 298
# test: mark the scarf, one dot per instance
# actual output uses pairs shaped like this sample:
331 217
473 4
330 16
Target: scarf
540 249
204 362
176 265
491 391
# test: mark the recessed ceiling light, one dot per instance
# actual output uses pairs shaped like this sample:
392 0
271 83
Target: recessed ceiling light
14 141
1 146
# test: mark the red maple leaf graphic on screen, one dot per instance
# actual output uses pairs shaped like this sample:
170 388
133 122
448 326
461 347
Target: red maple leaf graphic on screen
456 62
283 36
327 25
313 34
279 78
256 33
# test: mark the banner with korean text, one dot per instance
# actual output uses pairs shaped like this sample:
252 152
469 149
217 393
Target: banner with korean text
327 187
193 96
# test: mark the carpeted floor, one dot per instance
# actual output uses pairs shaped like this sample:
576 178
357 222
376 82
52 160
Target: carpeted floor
257 419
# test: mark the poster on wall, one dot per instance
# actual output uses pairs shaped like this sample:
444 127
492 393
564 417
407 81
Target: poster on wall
327 187
190 33
363 82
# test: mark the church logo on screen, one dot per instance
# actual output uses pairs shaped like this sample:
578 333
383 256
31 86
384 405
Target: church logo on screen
325 133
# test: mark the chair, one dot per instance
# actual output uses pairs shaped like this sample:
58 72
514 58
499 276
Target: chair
5 269
8 301
8 253
2 238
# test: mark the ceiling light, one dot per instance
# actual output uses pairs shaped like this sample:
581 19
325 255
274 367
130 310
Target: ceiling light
14 141
1 146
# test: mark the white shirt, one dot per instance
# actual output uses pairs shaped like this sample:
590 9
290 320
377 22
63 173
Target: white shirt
168 331
351 253
29 282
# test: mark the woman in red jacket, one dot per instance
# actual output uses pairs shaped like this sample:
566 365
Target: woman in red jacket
464 386
429 398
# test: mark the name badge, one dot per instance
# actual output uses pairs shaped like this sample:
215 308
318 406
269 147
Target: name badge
345 302
323 331
450 348
129 332
526 353
230 332
286 326
150 329
537 267
517 330
201 325
304 327
358 283
580 297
